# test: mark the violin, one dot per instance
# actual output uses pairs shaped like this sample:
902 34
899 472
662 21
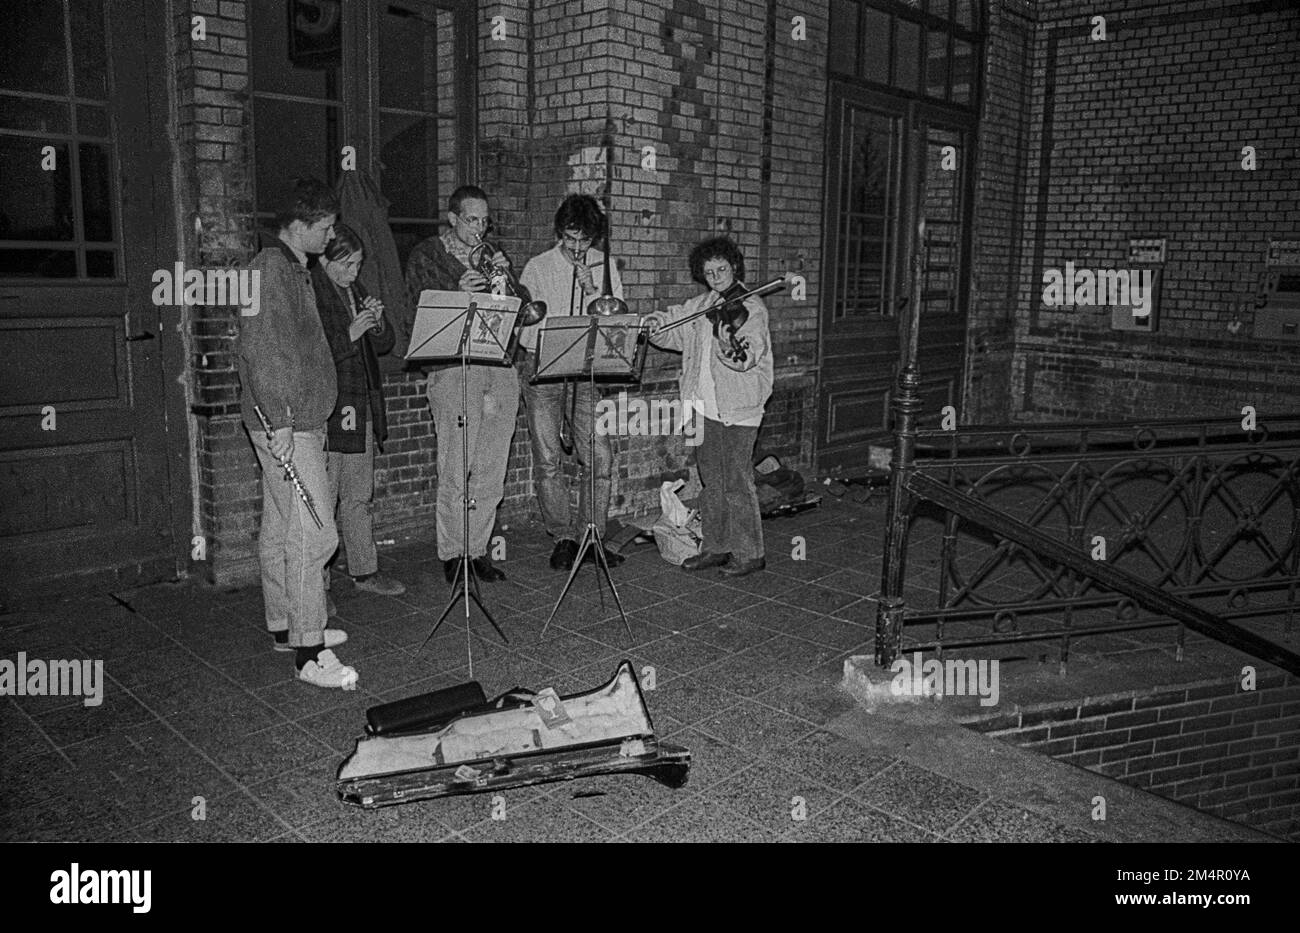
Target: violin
727 318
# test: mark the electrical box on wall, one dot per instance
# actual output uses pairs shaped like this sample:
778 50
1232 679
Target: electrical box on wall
1277 295
1146 262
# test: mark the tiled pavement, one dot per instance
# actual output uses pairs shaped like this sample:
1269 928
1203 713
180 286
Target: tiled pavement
197 705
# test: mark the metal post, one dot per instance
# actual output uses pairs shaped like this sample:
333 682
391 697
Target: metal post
904 406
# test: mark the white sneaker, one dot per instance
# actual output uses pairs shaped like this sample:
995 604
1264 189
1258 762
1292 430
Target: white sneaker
328 671
333 638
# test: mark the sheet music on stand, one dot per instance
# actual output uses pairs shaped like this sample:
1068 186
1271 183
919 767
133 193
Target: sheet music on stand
440 324
605 347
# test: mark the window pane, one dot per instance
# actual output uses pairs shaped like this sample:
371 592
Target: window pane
844 35
34 204
38 263
875 46
92 121
938 8
864 208
963 71
292 141
296 46
41 116
936 64
100 263
410 49
907 64
410 154
96 192
967 13
88 59
32 47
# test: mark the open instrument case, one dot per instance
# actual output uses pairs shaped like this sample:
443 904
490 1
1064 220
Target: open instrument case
455 741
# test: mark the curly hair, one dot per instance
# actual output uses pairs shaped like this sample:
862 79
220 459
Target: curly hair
719 247
312 201
580 212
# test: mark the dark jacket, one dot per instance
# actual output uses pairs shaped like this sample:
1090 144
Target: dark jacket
429 266
285 365
361 387
365 210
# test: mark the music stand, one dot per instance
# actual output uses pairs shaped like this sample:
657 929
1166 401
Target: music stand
464 326
611 347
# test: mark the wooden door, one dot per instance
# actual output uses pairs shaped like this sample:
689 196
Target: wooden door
85 220
867 280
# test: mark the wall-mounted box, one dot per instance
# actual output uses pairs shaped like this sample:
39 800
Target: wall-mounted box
1146 260
1277 297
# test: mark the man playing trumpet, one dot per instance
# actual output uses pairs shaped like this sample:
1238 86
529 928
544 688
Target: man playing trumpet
443 263
567 277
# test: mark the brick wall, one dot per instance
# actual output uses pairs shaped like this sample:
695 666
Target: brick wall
1141 136
734 107
1212 746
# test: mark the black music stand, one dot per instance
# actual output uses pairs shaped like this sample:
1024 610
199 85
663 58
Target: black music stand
464 326
611 347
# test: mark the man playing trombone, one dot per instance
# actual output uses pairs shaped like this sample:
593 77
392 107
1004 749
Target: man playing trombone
567 277
444 263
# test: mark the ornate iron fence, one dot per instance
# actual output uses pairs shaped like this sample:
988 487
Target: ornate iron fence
1058 531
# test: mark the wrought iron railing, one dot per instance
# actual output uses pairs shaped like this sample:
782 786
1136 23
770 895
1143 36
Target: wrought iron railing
1058 531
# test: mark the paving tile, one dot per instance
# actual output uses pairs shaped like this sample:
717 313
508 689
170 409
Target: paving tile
773 797
304 795
850 821
72 724
754 728
732 632
65 818
232 818
412 822
544 820
808 699
919 796
682 653
688 699
22 737
200 686
619 802
269 753
833 760
698 819
712 760
996 821
563 650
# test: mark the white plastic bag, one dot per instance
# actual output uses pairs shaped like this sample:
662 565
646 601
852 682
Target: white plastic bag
678 532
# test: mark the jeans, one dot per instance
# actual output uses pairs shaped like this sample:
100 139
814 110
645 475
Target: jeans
544 405
352 486
728 501
490 426
291 549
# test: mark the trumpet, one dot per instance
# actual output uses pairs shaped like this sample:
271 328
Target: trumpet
481 260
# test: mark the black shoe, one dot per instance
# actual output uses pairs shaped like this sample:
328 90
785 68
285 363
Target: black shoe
706 559
451 569
565 551
485 571
612 558
739 568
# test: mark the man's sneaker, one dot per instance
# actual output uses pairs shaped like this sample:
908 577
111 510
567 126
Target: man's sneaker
328 671
379 584
333 638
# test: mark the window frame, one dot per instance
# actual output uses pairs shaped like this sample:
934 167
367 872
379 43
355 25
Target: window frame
359 92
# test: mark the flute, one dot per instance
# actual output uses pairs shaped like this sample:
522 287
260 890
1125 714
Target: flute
290 472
